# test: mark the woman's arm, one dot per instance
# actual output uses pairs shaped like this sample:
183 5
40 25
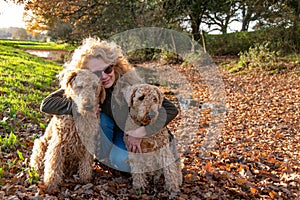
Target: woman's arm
171 110
57 103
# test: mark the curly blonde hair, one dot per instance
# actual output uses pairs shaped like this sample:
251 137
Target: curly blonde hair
109 52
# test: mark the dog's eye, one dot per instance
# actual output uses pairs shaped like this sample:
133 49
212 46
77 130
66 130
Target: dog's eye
79 87
94 87
155 100
141 98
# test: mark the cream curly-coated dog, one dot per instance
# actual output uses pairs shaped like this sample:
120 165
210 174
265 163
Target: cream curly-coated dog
67 147
159 153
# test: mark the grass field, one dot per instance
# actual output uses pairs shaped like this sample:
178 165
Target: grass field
35 45
25 81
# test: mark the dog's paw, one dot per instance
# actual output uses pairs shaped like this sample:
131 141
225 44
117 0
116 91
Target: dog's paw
51 189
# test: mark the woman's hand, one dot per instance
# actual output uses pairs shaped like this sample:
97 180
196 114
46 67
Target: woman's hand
134 144
135 138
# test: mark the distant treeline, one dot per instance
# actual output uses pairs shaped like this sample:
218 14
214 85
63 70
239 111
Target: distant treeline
19 34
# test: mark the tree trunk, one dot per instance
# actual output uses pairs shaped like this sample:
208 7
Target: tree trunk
195 29
296 26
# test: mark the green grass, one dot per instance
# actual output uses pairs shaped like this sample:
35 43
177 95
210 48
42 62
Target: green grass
36 45
24 81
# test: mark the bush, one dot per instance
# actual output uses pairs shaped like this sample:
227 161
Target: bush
152 54
229 44
280 39
259 57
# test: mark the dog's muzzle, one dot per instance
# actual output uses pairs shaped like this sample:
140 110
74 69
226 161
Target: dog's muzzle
151 115
88 107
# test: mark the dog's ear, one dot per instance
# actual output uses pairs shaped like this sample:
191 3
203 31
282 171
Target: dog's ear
102 94
133 93
66 77
159 95
70 78
129 94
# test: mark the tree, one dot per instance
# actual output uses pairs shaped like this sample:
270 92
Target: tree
188 14
92 18
221 14
60 31
251 10
19 33
285 16
294 5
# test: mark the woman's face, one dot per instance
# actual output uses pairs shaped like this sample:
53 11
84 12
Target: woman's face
103 70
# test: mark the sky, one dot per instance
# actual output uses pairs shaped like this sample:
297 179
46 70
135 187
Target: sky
11 15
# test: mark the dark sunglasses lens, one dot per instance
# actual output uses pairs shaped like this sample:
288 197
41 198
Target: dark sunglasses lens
108 70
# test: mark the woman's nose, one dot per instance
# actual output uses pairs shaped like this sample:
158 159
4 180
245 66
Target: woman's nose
103 75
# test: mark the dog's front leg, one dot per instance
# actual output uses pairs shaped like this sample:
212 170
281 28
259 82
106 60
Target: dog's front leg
54 165
171 169
38 154
39 149
85 170
139 176
173 178
139 180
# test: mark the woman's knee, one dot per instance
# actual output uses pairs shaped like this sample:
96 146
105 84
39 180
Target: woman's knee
118 158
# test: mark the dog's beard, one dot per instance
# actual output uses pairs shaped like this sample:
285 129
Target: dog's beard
88 125
142 119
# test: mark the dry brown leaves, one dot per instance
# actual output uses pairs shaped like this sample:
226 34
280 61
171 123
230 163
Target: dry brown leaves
257 155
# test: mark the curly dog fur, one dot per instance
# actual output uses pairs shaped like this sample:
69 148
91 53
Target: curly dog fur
67 147
159 156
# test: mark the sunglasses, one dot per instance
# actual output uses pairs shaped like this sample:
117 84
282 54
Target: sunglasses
108 70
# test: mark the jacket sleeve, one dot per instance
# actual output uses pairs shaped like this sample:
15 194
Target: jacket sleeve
167 113
57 103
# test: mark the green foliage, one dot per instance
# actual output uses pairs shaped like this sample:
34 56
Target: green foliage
143 55
42 126
231 43
33 176
170 57
279 39
139 192
152 54
236 68
20 155
8 141
259 57
1 172
12 139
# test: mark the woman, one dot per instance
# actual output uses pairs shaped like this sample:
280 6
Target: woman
106 60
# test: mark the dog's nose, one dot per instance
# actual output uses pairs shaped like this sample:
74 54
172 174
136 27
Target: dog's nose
88 107
151 115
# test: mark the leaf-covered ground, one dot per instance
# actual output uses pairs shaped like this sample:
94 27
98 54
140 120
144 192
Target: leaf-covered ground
256 155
